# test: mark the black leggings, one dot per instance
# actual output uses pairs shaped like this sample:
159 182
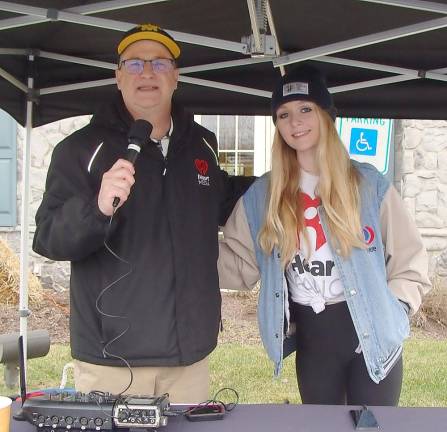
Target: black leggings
328 369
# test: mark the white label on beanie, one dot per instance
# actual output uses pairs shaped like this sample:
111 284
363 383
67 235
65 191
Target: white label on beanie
295 88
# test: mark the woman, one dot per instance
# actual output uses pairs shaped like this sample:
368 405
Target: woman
336 252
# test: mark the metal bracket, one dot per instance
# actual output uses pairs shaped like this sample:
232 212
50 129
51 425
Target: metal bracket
24 313
267 45
53 14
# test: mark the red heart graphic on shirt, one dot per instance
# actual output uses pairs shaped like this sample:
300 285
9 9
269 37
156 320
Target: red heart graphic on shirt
202 166
315 222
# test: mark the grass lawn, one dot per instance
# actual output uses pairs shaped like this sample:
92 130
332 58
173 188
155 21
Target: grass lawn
250 373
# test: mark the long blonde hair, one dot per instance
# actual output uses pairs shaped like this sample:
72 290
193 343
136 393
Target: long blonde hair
338 189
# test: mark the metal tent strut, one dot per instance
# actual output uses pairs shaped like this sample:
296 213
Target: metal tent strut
361 41
413 4
260 14
43 15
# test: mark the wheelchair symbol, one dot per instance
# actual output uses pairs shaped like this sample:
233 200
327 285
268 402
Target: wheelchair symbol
362 144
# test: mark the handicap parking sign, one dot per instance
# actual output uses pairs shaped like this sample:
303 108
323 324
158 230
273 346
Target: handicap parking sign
367 140
363 142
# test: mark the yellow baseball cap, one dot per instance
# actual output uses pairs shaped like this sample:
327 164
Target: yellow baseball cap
149 32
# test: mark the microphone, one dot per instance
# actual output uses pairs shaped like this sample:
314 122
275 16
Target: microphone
139 135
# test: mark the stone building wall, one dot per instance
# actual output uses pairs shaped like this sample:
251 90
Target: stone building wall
420 176
52 274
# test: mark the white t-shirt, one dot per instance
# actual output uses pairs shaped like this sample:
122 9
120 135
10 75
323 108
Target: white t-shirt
163 143
312 277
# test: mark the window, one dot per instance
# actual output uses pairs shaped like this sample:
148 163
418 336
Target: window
235 135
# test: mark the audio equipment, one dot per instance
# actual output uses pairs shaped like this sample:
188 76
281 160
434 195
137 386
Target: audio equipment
63 411
147 412
95 411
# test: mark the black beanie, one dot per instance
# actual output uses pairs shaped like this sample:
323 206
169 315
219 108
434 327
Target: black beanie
303 82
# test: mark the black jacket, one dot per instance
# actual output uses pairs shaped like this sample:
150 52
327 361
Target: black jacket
168 302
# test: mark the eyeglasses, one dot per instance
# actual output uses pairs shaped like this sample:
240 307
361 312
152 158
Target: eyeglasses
136 66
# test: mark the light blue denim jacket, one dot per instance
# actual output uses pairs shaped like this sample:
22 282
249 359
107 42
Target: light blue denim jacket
380 320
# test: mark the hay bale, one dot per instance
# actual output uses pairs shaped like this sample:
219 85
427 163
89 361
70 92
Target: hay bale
434 305
10 277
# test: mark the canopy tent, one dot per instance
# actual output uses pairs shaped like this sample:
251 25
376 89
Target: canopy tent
382 58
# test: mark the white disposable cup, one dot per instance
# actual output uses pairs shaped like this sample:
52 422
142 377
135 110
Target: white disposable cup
5 413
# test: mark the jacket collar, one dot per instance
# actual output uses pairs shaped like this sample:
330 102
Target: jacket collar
114 115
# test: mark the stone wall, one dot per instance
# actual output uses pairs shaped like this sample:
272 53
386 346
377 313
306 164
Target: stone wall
52 274
420 176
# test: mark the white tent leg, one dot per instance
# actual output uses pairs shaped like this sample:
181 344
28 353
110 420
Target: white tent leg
24 225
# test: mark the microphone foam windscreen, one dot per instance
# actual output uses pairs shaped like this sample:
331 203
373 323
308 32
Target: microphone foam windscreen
140 131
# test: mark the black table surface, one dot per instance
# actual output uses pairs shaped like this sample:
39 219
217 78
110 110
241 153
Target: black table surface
298 418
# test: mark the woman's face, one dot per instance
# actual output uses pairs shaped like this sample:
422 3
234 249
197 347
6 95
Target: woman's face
299 126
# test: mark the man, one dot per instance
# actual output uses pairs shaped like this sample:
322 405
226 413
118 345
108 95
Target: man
144 286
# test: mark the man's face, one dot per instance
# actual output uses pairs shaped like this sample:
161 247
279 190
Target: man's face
149 90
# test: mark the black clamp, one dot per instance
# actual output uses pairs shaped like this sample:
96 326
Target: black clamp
53 14
33 95
422 73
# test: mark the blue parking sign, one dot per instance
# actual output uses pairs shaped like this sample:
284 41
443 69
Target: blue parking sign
363 142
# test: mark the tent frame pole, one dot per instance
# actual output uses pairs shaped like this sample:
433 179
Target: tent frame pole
27 20
79 14
413 4
24 224
361 41
44 15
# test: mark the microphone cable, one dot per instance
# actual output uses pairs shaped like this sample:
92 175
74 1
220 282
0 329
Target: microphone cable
105 351
138 136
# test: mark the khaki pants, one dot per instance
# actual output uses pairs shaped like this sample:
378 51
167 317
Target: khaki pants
184 384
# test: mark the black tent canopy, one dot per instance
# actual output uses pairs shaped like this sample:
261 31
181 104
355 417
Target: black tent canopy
382 58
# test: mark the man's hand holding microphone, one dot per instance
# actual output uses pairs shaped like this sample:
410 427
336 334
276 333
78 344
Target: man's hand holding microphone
117 181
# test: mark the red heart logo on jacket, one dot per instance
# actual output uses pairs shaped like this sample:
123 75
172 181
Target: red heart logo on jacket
202 166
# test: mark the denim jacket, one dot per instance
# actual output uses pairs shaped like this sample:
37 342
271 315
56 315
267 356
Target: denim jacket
380 320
